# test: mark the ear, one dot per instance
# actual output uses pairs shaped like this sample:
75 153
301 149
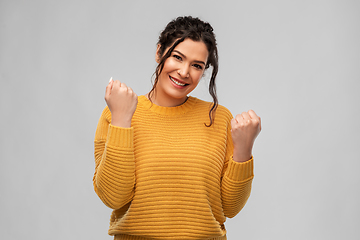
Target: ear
157 54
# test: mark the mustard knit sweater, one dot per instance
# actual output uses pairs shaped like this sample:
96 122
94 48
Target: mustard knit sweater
169 176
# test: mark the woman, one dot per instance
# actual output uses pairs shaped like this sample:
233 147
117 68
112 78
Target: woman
173 166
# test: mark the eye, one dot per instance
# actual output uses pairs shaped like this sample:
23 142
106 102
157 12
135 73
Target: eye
198 66
177 57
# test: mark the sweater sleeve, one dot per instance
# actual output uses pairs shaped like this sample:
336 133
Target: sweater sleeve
114 177
236 181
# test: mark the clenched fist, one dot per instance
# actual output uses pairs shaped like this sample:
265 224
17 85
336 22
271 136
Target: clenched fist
122 102
245 127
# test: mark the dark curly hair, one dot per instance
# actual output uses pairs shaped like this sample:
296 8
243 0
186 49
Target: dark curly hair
195 29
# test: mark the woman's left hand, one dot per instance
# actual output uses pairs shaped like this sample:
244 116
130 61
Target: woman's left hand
245 127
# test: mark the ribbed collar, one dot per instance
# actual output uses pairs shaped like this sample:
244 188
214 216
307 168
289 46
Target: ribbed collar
181 109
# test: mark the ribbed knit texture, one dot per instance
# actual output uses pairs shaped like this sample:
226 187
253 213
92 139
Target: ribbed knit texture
169 176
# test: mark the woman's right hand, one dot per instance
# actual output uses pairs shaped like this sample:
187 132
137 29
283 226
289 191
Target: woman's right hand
122 102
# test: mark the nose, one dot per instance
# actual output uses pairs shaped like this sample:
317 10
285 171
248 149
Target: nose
184 71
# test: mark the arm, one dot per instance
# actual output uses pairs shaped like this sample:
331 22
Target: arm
236 181
114 177
238 168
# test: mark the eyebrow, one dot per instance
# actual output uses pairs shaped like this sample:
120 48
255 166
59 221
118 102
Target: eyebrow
185 57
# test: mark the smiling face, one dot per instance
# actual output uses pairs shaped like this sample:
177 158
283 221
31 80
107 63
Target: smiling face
181 73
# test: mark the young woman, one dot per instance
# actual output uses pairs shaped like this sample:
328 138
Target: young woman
172 166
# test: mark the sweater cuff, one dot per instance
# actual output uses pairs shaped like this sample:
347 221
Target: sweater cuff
120 137
240 171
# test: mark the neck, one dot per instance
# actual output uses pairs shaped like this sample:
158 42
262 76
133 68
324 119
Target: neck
165 102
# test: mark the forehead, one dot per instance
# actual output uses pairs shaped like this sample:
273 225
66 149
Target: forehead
193 50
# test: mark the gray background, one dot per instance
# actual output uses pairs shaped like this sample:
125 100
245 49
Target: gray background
296 63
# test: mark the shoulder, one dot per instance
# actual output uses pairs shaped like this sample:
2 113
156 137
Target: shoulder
220 108
221 111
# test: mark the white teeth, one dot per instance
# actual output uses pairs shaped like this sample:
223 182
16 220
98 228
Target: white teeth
176 82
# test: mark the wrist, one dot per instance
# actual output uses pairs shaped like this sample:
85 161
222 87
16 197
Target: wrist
121 123
242 155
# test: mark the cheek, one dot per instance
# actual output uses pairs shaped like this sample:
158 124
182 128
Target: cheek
169 65
196 76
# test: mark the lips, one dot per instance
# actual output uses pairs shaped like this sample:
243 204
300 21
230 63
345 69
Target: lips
178 82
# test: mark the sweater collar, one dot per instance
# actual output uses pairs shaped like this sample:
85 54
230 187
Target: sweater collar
181 109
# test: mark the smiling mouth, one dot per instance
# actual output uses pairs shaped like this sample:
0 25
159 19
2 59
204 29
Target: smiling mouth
178 83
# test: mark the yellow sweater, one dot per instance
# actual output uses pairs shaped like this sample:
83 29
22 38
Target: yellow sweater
169 176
